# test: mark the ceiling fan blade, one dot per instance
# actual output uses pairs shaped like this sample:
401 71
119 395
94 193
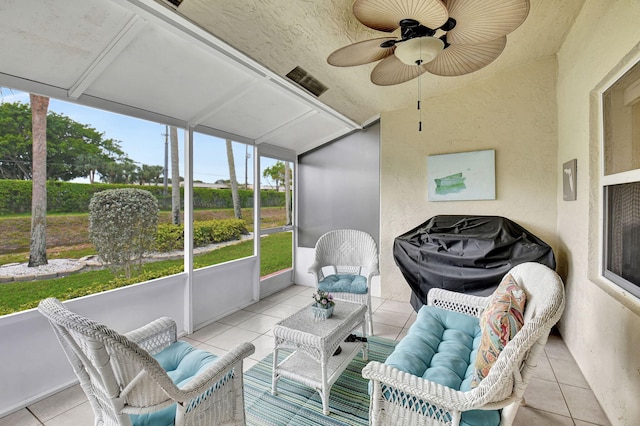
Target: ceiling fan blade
459 59
361 53
393 71
385 15
481 21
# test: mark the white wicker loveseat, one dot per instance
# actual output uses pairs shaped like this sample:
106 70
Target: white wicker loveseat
146 377
401 398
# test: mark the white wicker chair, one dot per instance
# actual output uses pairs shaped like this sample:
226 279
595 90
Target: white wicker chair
120 376
347 251
423 402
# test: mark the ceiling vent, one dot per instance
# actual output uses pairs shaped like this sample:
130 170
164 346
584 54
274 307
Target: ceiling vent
307 81
176 3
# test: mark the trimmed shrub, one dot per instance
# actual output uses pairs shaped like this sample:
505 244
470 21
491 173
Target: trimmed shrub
122 227
170 237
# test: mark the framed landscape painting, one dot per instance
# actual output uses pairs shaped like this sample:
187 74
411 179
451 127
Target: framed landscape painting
462 176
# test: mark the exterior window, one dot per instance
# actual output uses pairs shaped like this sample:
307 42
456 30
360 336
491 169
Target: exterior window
621 182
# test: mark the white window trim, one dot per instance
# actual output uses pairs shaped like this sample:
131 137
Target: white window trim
612 179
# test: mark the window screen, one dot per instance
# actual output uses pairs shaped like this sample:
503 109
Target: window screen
622 235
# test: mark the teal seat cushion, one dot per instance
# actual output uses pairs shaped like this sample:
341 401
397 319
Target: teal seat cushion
344 283
441 346
182 362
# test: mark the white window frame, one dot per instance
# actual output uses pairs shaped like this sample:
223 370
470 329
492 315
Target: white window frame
630 176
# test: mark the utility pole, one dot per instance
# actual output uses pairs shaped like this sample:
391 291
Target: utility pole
166 159
246 160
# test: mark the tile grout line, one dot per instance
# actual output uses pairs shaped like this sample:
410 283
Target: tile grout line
34 416
566 403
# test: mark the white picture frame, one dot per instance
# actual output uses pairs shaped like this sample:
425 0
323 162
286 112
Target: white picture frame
462 176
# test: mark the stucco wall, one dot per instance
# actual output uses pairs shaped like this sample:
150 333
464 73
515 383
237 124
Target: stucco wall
536 118
513 113
601 324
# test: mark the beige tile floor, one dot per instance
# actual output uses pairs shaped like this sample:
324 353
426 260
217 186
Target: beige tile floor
557 395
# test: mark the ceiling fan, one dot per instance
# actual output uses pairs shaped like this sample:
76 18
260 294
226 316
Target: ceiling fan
443 37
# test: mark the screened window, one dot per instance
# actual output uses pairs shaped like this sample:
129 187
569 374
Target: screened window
621 182
220 168
622 259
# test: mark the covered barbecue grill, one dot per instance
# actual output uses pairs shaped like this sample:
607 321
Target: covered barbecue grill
467 254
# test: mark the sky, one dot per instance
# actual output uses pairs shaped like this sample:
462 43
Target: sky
144 141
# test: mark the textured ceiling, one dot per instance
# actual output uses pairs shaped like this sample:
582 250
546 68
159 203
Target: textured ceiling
283 34
146 59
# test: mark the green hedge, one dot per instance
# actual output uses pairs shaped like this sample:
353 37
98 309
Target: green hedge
69 197
170 237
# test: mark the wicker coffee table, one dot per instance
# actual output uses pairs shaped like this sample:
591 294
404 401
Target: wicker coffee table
312 362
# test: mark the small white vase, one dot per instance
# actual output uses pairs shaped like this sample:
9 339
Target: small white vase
320 313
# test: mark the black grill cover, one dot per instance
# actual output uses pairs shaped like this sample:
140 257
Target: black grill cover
467 254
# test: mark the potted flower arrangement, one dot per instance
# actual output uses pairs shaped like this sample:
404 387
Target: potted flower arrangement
323 306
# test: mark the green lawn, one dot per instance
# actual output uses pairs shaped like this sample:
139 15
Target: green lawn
68 234
275 255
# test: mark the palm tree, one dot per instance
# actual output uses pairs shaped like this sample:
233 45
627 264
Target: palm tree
234 182
89 164
175 176
38 249
275 173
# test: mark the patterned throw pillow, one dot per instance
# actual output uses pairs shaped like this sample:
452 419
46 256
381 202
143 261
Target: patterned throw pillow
499 322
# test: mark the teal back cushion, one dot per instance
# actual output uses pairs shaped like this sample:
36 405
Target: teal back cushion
182 362
441 346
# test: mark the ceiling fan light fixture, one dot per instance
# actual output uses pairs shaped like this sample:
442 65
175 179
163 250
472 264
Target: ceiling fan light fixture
419 50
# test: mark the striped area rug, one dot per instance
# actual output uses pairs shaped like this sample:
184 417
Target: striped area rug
299 405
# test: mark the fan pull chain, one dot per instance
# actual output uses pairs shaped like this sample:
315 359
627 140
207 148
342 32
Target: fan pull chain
419 98
418 63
